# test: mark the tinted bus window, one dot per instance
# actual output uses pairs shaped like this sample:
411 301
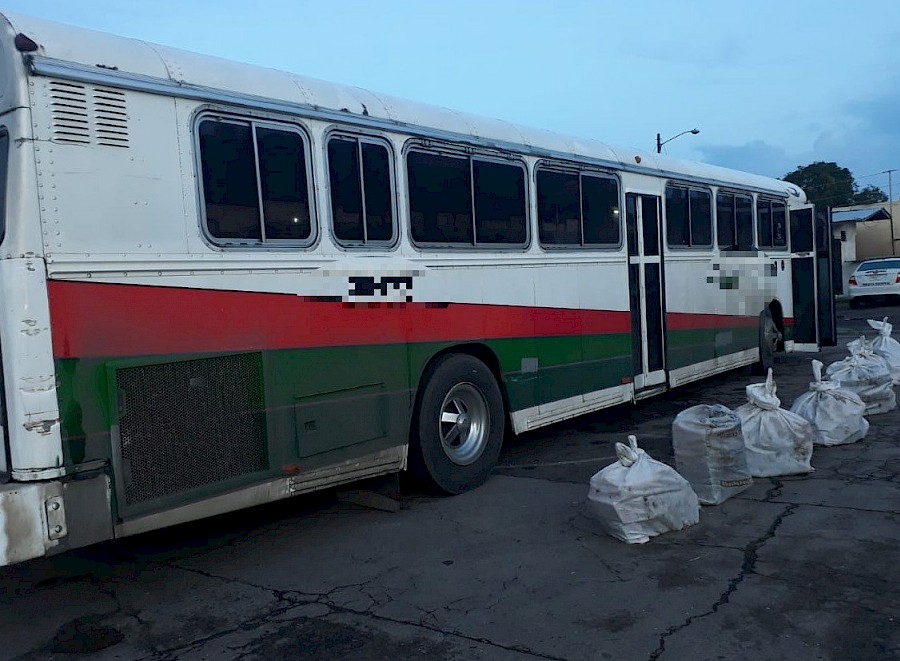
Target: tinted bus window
283 186
559 216
734 219
440 198
701 218
763 224
379 194
779 225
678 224
466 200
725 233
578 209
255 182
357 173
229 180
743 221
499 202
600 210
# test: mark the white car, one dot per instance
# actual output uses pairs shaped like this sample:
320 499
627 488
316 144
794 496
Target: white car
874 278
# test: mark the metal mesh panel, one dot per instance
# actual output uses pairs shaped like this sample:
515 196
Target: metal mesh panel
187 424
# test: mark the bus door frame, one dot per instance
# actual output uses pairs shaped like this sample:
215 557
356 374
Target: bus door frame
645 267
811 286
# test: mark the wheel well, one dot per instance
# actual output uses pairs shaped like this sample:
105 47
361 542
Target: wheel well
479 351
777 313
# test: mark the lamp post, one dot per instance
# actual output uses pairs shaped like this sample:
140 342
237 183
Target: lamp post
660 143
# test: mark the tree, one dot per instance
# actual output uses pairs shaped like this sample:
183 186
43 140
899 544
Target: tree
870 195
830 185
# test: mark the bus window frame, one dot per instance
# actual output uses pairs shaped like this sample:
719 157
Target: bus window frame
771 200
338 132
469 153
688 187
254 120
578 169
4 184
736 193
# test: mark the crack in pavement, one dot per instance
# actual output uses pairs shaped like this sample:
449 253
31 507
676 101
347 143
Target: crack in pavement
748 567
294 599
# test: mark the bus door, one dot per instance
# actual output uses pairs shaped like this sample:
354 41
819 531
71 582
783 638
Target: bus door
645 287
827 321
812 293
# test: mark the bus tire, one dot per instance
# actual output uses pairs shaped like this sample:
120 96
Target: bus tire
769 337
458 425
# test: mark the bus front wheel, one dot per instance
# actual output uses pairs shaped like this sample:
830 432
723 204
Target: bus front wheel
458 430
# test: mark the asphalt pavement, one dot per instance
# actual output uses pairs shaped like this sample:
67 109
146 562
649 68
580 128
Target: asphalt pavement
804 567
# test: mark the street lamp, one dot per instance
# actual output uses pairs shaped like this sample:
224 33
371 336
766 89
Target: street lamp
660 143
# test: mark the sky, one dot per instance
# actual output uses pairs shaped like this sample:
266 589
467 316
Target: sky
771 85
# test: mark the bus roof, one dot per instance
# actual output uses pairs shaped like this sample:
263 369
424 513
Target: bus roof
98 55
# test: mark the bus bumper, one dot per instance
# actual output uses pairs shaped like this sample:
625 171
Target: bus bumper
42 518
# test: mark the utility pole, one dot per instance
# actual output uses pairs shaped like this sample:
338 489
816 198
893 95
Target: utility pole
891 208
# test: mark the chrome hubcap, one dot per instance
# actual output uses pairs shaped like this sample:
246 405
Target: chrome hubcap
464 424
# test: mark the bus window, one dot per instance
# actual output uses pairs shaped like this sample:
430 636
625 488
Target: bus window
678 224
725 221
771 221
4 171
600 210
743 221
688 217
229 180
255 182
466 200
700 206
379 193
499 202
440 198
764 223
779 225
360 169
558 208
578 210
734 220
285 196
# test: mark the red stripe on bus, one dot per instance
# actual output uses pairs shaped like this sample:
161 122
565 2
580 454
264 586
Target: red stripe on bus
112 320
680 321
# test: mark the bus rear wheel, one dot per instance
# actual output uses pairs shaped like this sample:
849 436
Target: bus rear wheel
458 426
769 337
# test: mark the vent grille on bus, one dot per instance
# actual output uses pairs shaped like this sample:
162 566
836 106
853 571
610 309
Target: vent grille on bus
68 103
83 115
111 120
188 424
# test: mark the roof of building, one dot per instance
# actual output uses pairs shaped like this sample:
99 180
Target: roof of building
860 215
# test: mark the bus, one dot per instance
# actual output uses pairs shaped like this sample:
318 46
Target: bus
225 285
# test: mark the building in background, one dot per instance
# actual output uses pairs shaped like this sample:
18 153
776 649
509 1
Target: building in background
863 232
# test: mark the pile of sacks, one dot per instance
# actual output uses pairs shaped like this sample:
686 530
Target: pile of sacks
718 452
867 374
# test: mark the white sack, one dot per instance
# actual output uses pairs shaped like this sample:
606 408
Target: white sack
835 413
866 374
637 497
887 347
778 442
709 452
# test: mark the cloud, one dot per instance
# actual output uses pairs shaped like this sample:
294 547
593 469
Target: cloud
755 156
864 137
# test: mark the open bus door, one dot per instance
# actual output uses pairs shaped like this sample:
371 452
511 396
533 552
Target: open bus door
811 278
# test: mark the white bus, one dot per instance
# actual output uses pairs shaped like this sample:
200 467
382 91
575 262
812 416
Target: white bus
225 285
